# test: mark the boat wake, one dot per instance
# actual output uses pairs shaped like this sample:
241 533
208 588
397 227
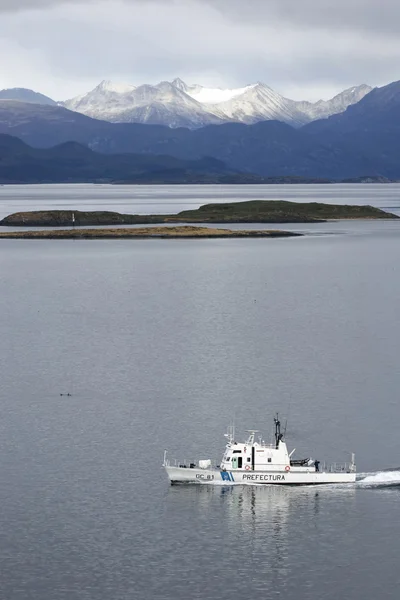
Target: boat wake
379 479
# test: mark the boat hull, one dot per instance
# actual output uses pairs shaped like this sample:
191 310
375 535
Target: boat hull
181 475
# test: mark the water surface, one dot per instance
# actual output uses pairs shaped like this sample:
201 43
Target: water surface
161 344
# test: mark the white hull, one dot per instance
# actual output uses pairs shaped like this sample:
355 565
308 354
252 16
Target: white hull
299 476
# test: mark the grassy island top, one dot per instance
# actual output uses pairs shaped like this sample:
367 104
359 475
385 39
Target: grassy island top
280 211
254 211
181 231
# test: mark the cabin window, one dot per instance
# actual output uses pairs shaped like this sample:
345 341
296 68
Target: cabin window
240 461
248 459
236 451
228 459
270 460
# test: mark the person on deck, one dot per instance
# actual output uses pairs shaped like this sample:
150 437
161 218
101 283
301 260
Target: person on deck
316 463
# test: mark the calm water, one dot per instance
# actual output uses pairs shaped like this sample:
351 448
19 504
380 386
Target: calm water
161 343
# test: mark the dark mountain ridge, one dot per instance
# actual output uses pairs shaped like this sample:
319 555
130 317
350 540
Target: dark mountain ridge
73 162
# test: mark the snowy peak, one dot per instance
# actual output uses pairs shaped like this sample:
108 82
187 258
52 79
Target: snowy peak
116 88
180 85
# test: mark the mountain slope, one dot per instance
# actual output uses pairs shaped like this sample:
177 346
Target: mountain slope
24 95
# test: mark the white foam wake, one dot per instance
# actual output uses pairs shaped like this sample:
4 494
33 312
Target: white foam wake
381 478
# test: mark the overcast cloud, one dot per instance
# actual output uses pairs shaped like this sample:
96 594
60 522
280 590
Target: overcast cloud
305 49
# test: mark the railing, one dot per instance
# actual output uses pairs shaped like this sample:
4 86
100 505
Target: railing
338 467
185 464
347 467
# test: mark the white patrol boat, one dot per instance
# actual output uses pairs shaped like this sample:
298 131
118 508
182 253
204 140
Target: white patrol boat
254 462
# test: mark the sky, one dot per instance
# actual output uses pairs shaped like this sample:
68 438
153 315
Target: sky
304 49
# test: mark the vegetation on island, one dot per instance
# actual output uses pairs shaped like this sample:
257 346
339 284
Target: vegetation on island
254 211
62 218
181 231
277 211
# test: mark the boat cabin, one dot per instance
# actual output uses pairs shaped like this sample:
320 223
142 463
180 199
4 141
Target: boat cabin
256 456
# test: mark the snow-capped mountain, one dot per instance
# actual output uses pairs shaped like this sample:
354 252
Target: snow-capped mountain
108 97
162 104
326 108
177 104
260 103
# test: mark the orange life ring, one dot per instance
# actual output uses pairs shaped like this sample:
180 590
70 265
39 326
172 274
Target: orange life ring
247 467
287 468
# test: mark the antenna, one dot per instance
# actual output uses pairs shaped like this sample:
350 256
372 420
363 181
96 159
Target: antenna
230 434
287 418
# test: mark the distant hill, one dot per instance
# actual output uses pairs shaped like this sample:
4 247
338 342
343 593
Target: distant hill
73 162
24 95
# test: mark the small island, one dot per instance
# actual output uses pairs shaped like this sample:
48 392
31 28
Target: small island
279 211
182 231
253 211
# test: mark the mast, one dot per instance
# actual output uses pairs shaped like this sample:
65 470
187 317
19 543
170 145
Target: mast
278 434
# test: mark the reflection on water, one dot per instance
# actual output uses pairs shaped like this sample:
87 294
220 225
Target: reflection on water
265 521
252 507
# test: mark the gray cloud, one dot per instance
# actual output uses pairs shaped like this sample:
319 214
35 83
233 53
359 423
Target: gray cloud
363 15
18 5
353 15
303 48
